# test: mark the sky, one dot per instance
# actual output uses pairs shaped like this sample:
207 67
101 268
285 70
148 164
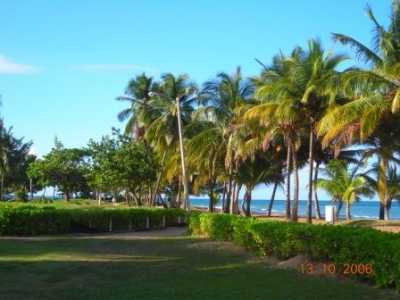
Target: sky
63 63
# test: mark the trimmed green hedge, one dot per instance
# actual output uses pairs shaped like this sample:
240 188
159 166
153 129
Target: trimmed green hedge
33 220
339 244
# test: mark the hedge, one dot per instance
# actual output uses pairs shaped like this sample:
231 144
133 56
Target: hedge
33 220
339 244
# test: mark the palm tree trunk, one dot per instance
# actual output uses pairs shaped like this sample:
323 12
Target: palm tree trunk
158 182
382 186
178 195
348 212
225 205
271 201
211 200
339 209
317 208
310 176
223 194
295 208
288 161
247 197
186 204
231 203
236 199
386 213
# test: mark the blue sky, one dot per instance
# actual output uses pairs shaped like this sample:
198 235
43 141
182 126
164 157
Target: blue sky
62 63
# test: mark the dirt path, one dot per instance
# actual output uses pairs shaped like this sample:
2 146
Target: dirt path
169 232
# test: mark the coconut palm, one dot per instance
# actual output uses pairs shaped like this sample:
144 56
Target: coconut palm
206 153
391 189
384 76
171 104
369 117
220 98
137 94
342 185
279 113
317 80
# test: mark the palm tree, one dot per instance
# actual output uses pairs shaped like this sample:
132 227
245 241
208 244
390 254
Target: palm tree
138 95
279 113
382 143
376 94
220 98
384 76
206 153
171 109
392 186
318 81
342 185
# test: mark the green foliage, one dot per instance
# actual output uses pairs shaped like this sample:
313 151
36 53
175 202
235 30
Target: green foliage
119 164
339 244
28 219
63 168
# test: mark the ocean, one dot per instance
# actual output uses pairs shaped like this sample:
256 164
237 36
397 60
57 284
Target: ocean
360 210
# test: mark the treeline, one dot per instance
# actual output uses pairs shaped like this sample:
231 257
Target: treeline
233 133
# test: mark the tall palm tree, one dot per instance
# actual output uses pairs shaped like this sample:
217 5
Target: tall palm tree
219 99
342 185
376 94
206 153
279 113
171 104
317 79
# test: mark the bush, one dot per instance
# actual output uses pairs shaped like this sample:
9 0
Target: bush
41 219
339 244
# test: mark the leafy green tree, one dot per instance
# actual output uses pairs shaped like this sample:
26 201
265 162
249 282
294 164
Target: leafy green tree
63 168
103 175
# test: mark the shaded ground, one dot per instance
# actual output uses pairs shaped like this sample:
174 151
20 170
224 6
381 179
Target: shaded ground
155 265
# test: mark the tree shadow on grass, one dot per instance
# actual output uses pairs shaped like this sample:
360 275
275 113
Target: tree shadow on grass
169 268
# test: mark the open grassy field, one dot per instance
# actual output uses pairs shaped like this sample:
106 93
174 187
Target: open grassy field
155 266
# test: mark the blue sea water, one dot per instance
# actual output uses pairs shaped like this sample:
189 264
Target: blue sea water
359 210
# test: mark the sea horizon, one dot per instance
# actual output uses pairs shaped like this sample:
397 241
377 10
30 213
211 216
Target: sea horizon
368 209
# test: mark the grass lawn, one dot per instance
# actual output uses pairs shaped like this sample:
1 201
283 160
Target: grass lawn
122 267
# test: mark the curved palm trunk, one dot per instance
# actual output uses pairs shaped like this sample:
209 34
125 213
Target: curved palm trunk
288 161
295 208
317 208
310 177
271 201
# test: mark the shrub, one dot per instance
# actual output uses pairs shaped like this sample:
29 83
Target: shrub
25 219
339 244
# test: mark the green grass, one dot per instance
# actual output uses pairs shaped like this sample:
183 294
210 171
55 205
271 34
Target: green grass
162 268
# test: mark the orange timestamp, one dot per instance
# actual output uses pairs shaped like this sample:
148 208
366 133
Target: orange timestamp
331 268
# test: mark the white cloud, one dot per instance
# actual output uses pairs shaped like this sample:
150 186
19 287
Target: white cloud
7 66
114 67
